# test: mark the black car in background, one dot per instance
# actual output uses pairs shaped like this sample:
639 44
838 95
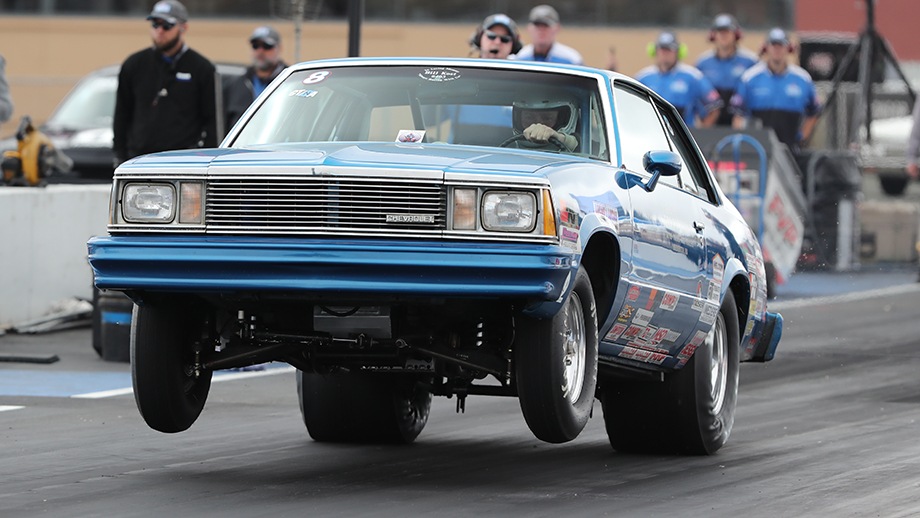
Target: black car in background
81 125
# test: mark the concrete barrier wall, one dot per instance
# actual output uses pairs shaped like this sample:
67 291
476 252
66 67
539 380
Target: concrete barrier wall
43 249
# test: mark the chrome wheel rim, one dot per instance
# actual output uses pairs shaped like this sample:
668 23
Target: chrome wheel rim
574 350
718 364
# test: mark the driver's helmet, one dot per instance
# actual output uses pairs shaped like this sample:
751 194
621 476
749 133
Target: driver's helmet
566 115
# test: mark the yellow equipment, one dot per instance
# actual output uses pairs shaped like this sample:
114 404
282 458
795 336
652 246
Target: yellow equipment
34 159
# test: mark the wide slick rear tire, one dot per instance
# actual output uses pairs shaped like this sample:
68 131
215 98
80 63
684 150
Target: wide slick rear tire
693 410
169 391
362 407
556 366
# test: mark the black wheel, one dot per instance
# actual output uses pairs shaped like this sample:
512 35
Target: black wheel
362 408
170 392
693 410
893 184
556 366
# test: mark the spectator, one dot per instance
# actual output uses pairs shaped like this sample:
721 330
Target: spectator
725 62
913 145
680 84
6 102
166 97
612 61
497 37
543 28
265 67
777 93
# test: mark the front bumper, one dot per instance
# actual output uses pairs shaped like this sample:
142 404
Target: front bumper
322 267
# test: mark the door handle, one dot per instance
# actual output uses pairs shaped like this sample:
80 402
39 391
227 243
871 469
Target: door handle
698 227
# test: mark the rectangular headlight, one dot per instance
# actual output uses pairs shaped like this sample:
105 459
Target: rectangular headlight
509 211
149 203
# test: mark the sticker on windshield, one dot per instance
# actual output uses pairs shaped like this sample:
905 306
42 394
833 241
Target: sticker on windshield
410 136
439 74
306 94
316 77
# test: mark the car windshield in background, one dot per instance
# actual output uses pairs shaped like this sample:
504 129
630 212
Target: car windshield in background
430 104
91 105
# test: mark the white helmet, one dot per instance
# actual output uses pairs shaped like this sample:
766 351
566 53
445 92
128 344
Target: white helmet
566 114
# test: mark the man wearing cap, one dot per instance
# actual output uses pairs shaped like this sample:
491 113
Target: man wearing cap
166 97
725 62
680 84
266 65
497 37
779 94
543 28
6 102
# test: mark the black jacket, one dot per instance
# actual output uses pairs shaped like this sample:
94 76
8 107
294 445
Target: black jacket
239 94
162 105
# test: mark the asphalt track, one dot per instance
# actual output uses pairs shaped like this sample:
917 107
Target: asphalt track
829 428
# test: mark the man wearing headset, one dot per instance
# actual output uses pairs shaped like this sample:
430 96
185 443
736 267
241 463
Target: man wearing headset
777 93
497 37
680 84
726 61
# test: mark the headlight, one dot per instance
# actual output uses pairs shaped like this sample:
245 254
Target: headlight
149 203
508 211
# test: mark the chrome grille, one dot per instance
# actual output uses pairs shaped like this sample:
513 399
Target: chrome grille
316 205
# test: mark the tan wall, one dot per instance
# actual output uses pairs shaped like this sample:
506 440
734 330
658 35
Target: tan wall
47 55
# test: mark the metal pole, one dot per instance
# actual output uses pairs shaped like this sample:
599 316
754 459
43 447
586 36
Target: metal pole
355 16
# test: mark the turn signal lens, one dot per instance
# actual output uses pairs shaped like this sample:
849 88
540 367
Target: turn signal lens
190 209
549 215
464 209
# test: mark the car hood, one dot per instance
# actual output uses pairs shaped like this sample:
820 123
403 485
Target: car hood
383 155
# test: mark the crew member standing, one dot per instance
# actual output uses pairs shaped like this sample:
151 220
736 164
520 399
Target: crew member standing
679 83
725 62
166 97
265 67
543 28
497 37
779 94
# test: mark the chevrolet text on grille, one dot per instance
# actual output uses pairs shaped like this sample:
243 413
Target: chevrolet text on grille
410 218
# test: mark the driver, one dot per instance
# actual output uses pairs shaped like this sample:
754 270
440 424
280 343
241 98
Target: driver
539 122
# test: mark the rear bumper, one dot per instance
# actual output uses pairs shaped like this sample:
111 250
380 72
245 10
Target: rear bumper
351 268
770 334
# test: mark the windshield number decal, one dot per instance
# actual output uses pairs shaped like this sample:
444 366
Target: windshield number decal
316 77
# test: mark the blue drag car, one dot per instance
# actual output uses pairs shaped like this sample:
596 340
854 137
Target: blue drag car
402 228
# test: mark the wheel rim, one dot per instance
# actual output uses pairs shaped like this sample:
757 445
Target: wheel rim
718 364
574 343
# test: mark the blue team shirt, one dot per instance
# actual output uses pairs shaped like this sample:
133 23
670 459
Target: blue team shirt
724 74
685 87
781 101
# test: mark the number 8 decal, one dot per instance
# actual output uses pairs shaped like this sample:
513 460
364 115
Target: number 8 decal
315 77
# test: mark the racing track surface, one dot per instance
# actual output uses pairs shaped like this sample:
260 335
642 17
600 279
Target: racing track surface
831 427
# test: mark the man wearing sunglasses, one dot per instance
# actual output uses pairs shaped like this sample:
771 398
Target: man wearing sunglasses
166 97
497 37
266 65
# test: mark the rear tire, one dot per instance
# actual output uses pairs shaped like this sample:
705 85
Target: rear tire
556 366
169 393
362 408
697 402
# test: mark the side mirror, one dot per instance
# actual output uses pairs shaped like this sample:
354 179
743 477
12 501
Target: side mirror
660 163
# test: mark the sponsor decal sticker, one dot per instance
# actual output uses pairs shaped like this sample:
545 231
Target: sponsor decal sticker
632 332
615 332
626 313
651 299
709 314
669 301
410 136
633 294
439 74
643 317
698 304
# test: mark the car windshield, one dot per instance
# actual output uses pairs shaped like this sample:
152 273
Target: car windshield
90 105
431 104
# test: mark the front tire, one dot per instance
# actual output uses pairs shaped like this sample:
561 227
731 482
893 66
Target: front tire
169 390
556 366
362 408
